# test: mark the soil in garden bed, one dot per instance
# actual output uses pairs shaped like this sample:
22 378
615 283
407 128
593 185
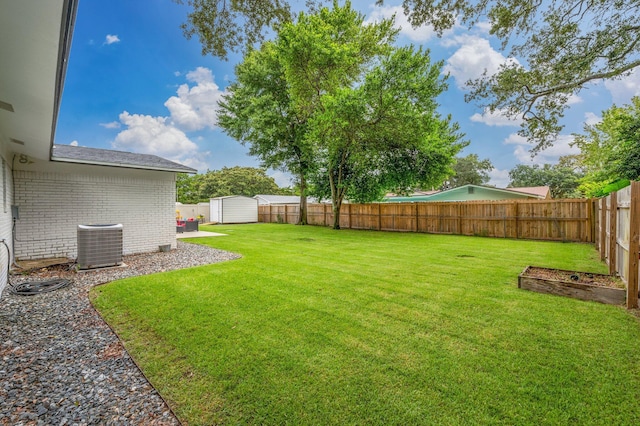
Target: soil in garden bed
577 277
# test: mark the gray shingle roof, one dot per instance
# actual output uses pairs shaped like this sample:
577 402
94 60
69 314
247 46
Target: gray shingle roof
277 199
106 157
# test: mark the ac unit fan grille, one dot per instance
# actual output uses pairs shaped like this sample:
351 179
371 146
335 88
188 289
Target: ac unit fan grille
99 246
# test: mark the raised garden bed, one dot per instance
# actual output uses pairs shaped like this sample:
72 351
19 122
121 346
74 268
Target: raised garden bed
579 285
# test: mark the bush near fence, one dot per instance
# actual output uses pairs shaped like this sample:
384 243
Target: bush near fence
555 220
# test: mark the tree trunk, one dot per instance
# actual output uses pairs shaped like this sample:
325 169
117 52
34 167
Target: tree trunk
302 219
337 205
337 194
336 217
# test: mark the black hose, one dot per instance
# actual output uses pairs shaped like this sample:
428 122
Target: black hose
31 288
8 258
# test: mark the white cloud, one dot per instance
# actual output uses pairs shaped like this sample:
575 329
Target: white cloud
74 143
624 88
195 107
177 73
420 34
497 118
499 178
591 119
111 38
283 179
196 162
111 125
516 139
474 56
561 147
153 135
484 26
574 99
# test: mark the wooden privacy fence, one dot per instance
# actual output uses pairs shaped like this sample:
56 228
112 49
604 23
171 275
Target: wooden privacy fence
556 220
617 236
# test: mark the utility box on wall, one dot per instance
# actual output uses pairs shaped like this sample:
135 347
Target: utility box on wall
99 246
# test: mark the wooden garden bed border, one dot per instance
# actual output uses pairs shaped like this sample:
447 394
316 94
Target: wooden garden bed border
609 295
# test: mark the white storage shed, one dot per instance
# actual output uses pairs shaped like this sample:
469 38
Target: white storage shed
233 209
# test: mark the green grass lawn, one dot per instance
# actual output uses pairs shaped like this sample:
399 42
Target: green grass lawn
315 326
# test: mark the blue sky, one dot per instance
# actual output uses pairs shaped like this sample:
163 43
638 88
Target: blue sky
134 83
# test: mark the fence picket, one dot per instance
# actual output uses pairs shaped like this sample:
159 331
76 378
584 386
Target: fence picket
557 220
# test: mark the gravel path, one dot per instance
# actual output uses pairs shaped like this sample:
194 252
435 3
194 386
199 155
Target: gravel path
62 365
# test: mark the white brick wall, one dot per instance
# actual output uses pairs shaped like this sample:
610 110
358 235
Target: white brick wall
56 197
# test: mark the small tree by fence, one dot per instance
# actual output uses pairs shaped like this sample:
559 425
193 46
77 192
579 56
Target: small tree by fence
618 236
556 220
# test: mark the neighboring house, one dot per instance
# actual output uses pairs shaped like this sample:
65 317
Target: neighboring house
47 190
413 194
233 209
478 193
280 200
266 200
542 192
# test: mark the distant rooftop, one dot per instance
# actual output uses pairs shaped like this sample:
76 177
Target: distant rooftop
277 199
540 191
106 157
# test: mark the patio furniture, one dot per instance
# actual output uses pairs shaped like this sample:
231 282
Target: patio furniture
191 225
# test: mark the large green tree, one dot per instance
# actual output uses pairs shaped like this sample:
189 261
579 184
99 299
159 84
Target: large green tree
610 149
562 179
247 181
370 107
333 101
384 134
258 110
561 46
188 188
470 170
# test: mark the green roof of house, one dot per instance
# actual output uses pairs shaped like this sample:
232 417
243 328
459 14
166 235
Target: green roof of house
476 193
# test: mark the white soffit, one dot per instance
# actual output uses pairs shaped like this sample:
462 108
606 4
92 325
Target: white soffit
30 60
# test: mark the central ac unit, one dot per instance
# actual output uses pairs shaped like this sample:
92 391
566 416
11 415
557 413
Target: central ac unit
99 246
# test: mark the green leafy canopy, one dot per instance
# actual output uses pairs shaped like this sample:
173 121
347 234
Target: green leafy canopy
333 101
561 46
610 149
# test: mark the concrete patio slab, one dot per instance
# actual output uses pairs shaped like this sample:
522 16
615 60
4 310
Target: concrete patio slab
198 234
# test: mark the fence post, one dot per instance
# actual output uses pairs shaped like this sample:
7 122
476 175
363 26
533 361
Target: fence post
518 220
603 227
349 217
634 246
459 218
379 216
613 234
324 214
590 220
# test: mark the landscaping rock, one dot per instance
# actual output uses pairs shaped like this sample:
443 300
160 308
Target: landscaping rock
61 364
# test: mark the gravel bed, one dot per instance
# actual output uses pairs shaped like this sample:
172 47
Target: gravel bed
62 365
